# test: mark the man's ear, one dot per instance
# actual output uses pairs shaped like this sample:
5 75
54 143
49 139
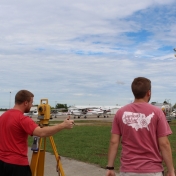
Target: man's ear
25 103
149 93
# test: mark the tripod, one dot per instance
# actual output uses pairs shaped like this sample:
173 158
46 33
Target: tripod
38 156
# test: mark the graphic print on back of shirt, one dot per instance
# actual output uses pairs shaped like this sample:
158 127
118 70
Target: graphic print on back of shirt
136 120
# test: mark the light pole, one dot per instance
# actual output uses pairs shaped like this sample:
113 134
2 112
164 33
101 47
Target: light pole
175 51
10 101
55 103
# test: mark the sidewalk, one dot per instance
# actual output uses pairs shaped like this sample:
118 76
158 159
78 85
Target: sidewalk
71 167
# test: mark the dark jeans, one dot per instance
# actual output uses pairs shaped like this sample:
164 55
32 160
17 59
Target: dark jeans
7 169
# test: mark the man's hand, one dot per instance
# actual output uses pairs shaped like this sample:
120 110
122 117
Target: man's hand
110 173
170 174
68 123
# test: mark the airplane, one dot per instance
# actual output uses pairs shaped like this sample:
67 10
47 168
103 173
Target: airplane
56 112
77 112
99 111
85 111
31 113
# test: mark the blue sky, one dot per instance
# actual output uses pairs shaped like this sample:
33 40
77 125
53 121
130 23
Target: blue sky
86 52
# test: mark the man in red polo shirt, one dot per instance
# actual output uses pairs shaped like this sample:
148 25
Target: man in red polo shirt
14 131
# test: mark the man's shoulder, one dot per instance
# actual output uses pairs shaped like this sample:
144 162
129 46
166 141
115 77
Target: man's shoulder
124 108
127 106
146 106
11 111
153 107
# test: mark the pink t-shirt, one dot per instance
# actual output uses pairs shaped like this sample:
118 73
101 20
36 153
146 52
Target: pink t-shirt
140 125
14 131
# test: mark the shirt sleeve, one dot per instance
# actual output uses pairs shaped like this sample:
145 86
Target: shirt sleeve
28 124
115 125
163 128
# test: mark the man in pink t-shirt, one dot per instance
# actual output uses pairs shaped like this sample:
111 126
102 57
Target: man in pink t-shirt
142 130
14 131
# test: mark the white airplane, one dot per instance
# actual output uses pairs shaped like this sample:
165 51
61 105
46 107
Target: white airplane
77 112
31 113
56 112
99 111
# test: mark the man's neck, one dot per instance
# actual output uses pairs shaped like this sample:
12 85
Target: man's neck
142 100
18 107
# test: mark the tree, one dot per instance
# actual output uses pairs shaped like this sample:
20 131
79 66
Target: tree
174 107
62 106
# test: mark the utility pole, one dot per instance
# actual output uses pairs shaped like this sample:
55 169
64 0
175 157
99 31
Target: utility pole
10 101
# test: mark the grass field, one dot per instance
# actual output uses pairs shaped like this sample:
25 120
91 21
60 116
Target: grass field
88 141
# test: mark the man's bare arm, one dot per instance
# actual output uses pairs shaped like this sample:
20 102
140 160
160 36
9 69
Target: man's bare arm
113 147
166 152
51 130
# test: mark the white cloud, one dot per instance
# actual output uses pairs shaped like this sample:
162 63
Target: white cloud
91 50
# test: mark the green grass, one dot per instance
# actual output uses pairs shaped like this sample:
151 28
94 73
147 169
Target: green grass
89 142
172 139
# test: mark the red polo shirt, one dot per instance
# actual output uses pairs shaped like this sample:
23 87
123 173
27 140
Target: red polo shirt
14 131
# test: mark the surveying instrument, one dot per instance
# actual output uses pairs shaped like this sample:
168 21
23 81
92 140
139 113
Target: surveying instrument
39 144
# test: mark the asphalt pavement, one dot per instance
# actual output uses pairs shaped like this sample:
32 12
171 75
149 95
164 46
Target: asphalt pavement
71 167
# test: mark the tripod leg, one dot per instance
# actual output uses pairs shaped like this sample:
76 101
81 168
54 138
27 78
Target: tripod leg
59 165
34 159
41 160
37 160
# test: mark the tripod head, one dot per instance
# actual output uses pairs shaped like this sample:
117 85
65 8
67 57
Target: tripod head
43 112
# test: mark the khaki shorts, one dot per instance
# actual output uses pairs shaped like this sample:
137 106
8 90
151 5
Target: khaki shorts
140 174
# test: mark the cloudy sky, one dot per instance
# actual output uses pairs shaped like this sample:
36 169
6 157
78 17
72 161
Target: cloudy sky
86 52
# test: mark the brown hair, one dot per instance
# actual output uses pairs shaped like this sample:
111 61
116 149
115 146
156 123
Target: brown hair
140 86
22 96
